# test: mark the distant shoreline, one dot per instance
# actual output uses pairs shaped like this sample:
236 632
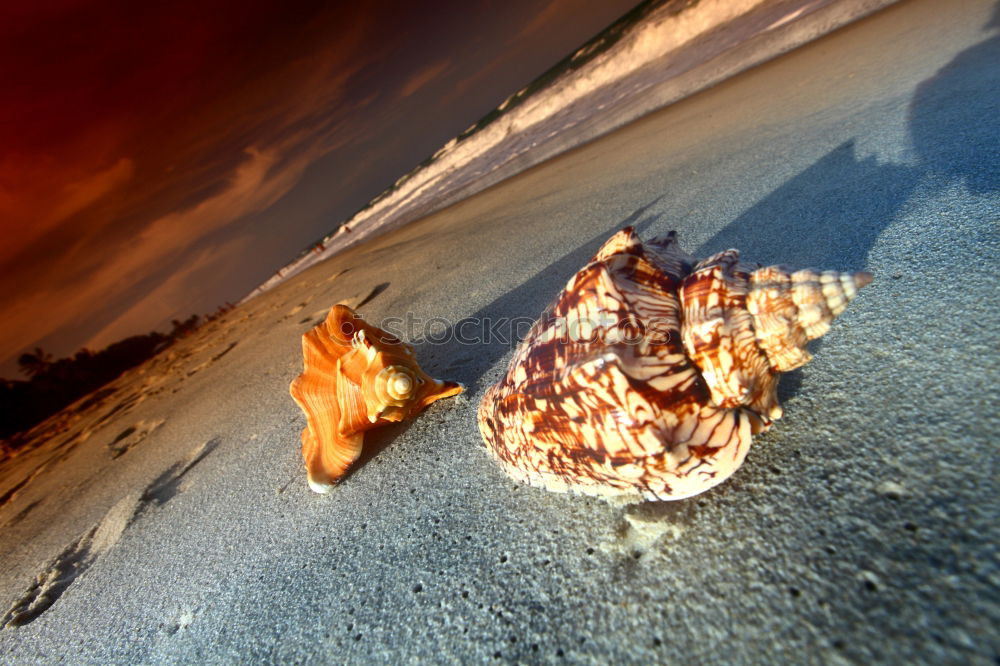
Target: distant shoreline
657 54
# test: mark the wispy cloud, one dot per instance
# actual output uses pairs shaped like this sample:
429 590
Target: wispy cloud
173 298
140 144
82 193
254 185
51 301
553 11
424 76
40 193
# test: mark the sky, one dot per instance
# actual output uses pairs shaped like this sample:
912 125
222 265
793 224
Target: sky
160 159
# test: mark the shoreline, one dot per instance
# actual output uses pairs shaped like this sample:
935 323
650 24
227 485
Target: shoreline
691 51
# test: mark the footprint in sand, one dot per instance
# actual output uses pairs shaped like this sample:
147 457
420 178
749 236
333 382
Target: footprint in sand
316 317
336 275
12 492
370 296
132 436
60 573
167 485
22 514
354 302
80 555
120 409
204 364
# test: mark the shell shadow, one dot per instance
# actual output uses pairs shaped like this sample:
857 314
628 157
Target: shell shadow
832 213
827 217
465 358
376 290
953 119
376 441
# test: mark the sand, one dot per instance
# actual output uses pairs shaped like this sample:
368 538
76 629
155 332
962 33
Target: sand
170 521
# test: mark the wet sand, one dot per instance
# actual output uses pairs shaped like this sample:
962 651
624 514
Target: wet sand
169 519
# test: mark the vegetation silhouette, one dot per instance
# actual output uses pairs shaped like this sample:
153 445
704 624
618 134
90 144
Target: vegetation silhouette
54 384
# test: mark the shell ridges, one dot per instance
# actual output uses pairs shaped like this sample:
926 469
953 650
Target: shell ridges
674 366
351 383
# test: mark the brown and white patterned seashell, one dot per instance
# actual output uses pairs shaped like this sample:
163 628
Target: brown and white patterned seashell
357 377
651 371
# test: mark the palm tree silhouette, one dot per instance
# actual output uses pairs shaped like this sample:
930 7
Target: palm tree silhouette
35 363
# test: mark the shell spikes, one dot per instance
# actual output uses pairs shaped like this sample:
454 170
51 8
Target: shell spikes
356 377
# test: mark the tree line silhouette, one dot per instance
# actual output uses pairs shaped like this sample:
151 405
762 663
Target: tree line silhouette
55 383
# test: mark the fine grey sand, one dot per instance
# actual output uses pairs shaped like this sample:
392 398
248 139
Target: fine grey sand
167 518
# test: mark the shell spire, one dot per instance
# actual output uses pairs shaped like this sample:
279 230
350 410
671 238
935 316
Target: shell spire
791 308
356 377
651 371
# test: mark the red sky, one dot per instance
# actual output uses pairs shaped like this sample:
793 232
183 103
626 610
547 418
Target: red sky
159 159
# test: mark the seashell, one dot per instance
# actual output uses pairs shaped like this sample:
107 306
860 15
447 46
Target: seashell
651 371
356 377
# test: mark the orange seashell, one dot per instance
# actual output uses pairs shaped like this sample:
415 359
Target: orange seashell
356 377
651 371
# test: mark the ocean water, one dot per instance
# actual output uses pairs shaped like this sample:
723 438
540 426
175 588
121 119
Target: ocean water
615 78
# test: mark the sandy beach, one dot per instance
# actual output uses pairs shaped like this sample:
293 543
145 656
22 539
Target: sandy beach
166 519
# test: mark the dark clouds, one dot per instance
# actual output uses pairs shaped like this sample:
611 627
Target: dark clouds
158 159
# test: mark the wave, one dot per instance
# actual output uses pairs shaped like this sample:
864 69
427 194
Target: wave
661 51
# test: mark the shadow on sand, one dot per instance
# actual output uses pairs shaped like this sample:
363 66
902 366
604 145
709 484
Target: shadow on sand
834 211
829 216
954 118
466 363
